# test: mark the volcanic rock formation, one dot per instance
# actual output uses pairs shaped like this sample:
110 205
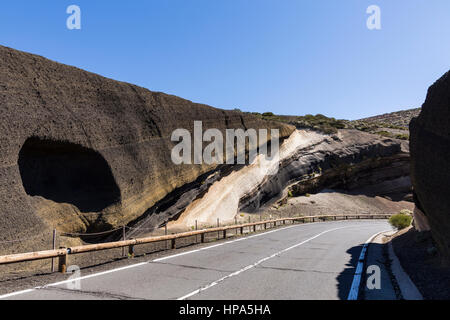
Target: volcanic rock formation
430 161
350 160
83 153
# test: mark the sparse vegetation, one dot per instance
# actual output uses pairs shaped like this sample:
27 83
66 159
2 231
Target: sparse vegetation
319 122
393 125
387 134
384 134
402 136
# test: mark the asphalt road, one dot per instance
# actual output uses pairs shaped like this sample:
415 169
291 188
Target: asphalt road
304 261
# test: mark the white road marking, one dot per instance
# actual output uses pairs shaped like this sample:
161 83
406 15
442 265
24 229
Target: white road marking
212 284
5 296
354 289
71 280
228 242
16 293
160 259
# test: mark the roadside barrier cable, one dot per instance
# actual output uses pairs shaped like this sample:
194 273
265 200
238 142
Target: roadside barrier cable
65 234
140 228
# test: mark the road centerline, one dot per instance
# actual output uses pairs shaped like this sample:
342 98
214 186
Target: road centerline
251 266
246 237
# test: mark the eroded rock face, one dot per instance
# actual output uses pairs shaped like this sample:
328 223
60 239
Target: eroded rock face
430 161
350 160
80 152
358 162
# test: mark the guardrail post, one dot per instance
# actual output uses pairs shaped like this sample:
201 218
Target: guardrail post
174 243
131 251
196 228
254 228
165 233
54 247
123 238
242 230
202 238
265 226
62 262
224 234
218 226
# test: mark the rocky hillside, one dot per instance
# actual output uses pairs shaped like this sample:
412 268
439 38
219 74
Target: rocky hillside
398 119
392 125
83 153
430 162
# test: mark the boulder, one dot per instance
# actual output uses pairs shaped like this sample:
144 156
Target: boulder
430 162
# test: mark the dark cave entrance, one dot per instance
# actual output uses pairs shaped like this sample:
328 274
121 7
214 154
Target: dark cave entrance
67 173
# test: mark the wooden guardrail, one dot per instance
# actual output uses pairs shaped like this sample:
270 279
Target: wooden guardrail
62 253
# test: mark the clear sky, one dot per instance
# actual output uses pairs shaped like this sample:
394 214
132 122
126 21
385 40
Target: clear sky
284 56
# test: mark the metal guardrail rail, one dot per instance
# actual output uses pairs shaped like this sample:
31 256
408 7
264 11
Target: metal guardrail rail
63 253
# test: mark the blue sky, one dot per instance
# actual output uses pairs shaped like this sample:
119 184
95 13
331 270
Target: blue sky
284 56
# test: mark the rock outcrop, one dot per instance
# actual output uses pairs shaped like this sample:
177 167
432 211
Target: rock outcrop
309 162
83 153
430 162
350 160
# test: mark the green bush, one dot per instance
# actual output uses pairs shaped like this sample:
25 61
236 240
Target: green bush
400 220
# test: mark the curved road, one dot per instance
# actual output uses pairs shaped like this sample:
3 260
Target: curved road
304 261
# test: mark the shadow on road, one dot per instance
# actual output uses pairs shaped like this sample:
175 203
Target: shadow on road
374 256
345 278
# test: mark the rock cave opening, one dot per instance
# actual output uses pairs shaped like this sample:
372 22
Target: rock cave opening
65 172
